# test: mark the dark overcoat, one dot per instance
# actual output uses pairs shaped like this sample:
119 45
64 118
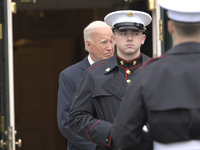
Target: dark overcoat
166 95
68 82
96 101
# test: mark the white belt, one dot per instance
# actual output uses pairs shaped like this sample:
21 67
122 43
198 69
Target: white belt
186 145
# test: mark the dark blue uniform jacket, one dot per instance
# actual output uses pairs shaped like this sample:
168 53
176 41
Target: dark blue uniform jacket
96 101
166 95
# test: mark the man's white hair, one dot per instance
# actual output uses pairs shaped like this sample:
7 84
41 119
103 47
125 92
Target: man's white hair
89 30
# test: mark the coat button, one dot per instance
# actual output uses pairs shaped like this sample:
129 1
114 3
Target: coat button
128 72
128 81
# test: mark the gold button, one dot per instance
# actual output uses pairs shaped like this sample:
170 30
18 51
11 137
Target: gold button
106 140
134 62
128 81
122 62
128 72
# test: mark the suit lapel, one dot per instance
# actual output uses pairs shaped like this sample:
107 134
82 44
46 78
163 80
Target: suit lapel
84 65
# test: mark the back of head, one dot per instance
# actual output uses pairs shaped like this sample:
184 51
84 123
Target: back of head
185 29
91 28
185 14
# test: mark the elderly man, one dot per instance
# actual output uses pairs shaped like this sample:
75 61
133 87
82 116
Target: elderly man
98 42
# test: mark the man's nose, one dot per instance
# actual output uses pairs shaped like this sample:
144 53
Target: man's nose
129 36
110 46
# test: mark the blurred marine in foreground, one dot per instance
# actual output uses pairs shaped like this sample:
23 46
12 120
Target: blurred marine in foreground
166 93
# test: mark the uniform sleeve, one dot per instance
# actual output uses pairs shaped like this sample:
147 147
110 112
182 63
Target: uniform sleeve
127 130
82 117
65 96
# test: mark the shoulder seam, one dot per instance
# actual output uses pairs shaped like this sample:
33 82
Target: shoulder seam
96 65
150 60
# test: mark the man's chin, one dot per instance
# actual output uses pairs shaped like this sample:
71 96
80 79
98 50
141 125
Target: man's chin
107 56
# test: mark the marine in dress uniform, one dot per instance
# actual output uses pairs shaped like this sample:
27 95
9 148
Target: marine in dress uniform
165 94
100 91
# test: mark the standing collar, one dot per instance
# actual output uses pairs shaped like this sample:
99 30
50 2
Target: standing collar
130 63
184 48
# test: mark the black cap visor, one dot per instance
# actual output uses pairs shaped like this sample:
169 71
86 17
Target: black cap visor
128 25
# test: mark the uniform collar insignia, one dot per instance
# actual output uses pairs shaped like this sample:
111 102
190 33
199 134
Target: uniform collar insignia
108 69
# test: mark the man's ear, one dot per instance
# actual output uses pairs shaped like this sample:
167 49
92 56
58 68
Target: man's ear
88 44
143 38
113 39
170 26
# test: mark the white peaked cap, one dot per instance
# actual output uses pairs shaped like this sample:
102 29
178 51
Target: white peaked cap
128 16
182 10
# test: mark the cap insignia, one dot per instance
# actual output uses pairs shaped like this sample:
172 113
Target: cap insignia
130 14
167 13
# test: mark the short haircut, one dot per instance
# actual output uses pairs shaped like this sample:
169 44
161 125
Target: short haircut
187 29
89 30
